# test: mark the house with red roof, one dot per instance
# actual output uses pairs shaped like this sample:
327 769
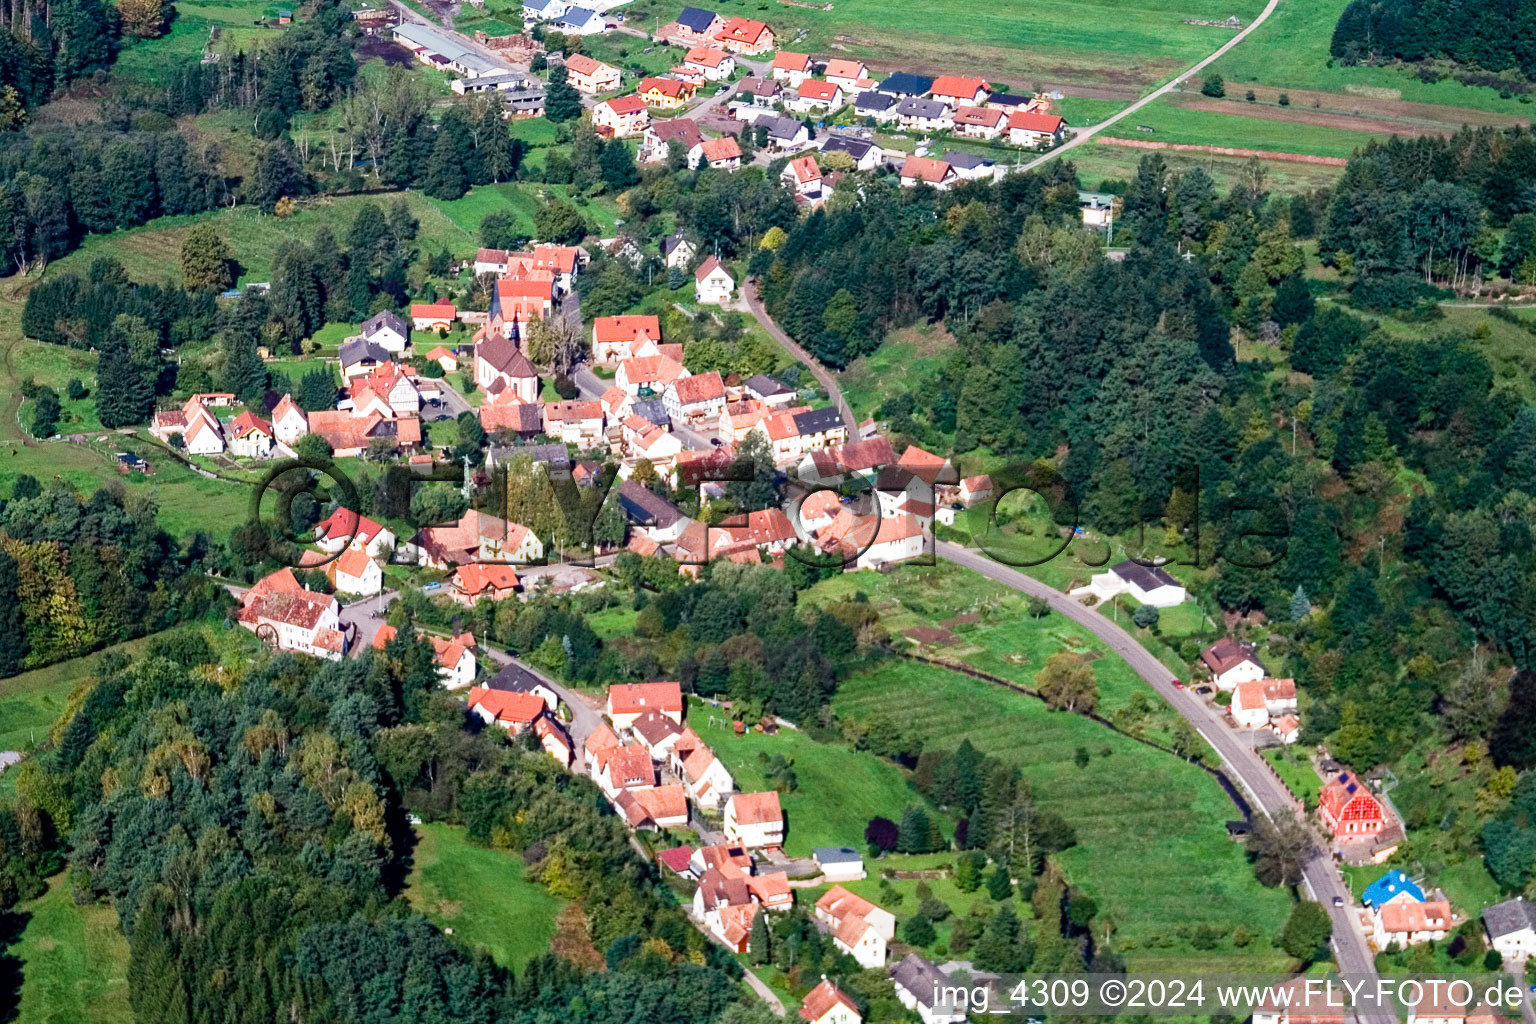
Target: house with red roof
476 537
754 820
353 572
621 117
858 927
848 75
1348 810
554 739
628 701
712 283
816 96
802 175
627 766
444 357
473 583
1032 128
201 432
344 528
250 436
289 422
743 35
591 76
1248 710
790 67
647 377
623 337
1407 923
975 489
665 93
578 422
704 775
653 809
1231 662
980 122
433 316
695 398
861 459
723 154
958 90
828 1004
715 63
514 712
922 170
288 617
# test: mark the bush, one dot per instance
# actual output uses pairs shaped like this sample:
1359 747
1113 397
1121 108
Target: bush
1249 96
1145 616
1285 99
918 931
1213 86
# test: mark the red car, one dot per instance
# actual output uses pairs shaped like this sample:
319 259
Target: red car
1178 684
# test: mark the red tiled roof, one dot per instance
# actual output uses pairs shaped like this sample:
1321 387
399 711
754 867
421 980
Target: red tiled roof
837 67
477 578
666 86
709 56
614 329
1407 916
821 999
804 169
584 65
958 85
508 706
789 61
756 808
701 387
637 698
625 104
1034 122
434 310
724 148
926 169
984 116
742 30
248 422
812 89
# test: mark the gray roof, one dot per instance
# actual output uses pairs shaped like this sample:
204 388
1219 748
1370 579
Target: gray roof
1147 577
538 5
781 127
912 106
557 456
672 241
653 411
645 506
922 981
515 679
817 420
1509 917
903 84
763 386
578 16
856 148
875 101
359 349
968 161
387 319
696 18
836 855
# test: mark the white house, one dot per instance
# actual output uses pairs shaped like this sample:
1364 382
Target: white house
1232 662
250 436
386 330
1248 710
793 68
1147 584
814 96
827 1004
839 863
695 398
1028 128
288 421
1511 928
713 283
704 775
580 21
201 433
712 62
923 987
754 820
345 528
433 316
455 660
544 10
1407 923
858 927
353 572
291 618
628 701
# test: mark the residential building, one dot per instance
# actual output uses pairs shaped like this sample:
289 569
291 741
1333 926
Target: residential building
1248 710
799 430
656 143
901 85
970 166
922 987
661 520
1287 728
389 390
713 283
759 92
1147 584
873 542
648 376
657 733
957 90
201 433
514 712
695 398
975 489
769 391
1232 662
517 299
621 117
627 766
653 809
803 177
289 422
793 68
580 21
433 316
1299 1001
785 133
250 436
590 75
620 337
1409 924
848 75
827 1004
922 170
344 528
476 537
814 96
1007 102
865 155
578 422
387 330
1392 887
499 360
714 63
554 739
628 701
858 927
514 678
920 115
1511 928
544 10
359 356
665 93
1279 695
881 106
288 617
722 154
474 582
860 459
979 122
704 775
693 26
1347 810
745 36
445 358
839 863
1027 128
754 820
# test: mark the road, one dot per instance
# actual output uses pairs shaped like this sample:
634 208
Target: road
1156 94
1268 795
825 377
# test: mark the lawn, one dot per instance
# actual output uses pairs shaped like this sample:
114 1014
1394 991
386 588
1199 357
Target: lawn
611 622
73 961
55 366
1098 163
1294 766
32 701
1152 847
1024 45
1207 128
1078 110
839 789
508 915
153 61
1291 49
1508 347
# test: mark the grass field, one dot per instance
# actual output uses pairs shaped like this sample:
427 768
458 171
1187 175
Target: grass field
839 789
31 701
1510 349
481 894
1080 110
73 960
1151 848
1291 49
153 61
1206 128
1098 163
55 366
902 360
1294 766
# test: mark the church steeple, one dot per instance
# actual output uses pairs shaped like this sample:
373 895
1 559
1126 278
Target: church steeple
515 336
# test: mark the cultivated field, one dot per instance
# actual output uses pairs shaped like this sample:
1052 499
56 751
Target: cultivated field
1237 125
1151 849
481 894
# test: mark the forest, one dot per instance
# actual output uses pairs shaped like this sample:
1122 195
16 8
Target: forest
248 824
1495 35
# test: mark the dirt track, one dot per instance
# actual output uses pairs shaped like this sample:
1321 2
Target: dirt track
1262 154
